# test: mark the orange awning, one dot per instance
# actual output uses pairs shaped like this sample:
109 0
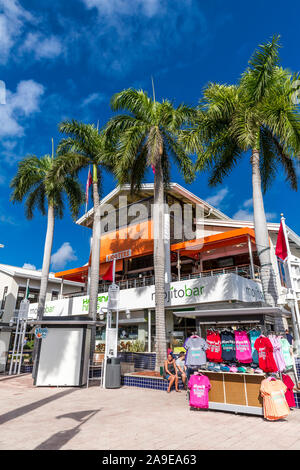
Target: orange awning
232 237
81 274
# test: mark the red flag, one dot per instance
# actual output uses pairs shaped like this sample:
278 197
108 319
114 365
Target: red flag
88 184
281 248
108 276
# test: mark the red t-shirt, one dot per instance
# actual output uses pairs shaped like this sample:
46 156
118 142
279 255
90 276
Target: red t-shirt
265 354
289 394
214 351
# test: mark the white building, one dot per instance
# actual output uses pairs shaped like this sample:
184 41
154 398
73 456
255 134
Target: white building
13 283
215 278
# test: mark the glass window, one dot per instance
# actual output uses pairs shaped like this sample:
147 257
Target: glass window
33 296
4 297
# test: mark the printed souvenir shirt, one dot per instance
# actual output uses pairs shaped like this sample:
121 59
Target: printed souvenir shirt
286 348
277 352
199 386
243 347
275 404
253 337
265 354
228 346
289 394
214 351
196 348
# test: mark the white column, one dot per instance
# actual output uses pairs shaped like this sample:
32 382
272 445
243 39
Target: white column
251 258
149 330
167 245
61 287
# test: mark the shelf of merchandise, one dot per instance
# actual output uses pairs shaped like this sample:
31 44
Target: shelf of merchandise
236 392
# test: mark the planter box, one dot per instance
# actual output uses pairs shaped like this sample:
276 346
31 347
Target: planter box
26 368
142 361
127 367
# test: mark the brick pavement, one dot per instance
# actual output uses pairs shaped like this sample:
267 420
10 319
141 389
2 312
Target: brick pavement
128 418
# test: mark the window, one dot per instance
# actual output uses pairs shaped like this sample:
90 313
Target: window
4 297
33 296
54 295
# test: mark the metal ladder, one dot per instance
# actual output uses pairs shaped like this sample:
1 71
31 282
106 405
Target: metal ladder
17 354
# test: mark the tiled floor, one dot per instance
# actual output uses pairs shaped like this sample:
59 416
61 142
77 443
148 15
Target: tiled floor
128 418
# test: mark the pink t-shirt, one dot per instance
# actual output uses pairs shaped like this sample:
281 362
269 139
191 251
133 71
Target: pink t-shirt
242 347
199 386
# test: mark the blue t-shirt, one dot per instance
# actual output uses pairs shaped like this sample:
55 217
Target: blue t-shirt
253 335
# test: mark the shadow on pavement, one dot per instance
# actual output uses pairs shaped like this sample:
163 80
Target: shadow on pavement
32 406
59 439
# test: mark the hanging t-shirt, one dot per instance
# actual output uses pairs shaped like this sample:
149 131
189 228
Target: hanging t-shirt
289 394
265 354
286 351
243 347
277 352
228 346
214 350
199 386
275 404
253 335
195 347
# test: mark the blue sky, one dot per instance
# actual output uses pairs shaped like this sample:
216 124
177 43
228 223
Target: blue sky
64 59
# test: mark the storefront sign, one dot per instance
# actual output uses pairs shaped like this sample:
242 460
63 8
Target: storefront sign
120 255
222 288
41 333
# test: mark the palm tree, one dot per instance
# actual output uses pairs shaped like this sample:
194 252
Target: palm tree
146 135
85 146
257 117
34 183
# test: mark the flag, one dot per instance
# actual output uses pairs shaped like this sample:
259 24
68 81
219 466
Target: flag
281 246
108 276
88 184
153 168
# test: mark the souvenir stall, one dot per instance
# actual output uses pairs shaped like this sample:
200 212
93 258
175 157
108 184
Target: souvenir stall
237 365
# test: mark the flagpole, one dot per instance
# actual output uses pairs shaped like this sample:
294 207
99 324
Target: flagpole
294 300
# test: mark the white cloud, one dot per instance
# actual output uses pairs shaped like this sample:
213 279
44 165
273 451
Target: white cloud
218 198
93 98
14 40
63 255
123 7
29 266
145 32
42 47
12 19
24 102
245 212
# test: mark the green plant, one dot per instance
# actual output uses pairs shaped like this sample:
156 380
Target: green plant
137 346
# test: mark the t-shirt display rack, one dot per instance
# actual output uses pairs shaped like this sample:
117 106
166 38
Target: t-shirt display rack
237 392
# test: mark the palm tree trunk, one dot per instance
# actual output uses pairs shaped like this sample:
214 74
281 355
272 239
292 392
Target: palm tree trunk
262 235
45 276
159 266
94 282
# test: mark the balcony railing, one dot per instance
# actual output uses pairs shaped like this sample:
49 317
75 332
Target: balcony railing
243 271
144 281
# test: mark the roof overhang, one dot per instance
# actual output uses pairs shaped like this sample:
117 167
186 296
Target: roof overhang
233 312
174 188
215 241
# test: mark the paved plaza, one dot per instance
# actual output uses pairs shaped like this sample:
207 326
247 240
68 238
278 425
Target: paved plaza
128 418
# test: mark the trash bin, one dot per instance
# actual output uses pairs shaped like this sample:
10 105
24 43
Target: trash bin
113 373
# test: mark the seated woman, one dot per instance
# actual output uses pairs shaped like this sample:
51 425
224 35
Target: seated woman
170 372
181 368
